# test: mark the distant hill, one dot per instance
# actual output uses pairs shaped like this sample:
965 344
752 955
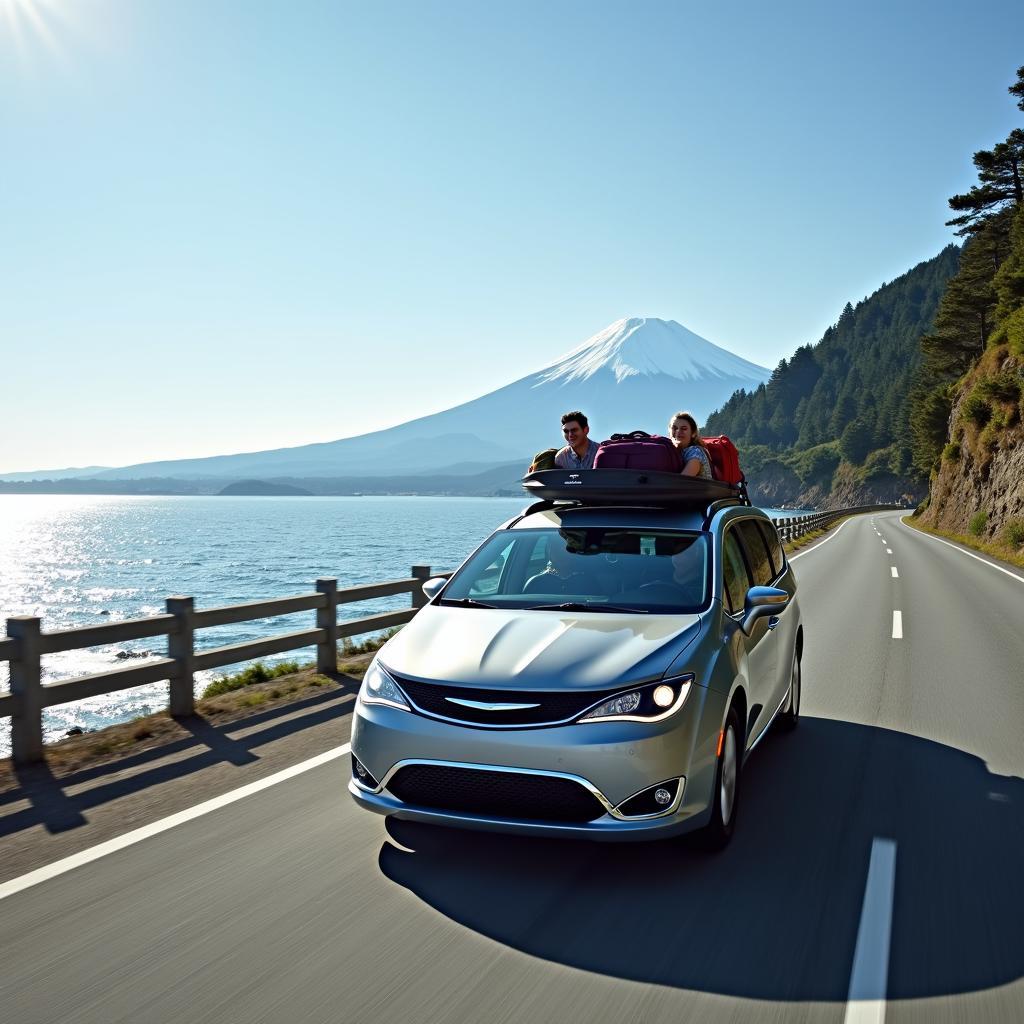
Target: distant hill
836 414
631 375
263 487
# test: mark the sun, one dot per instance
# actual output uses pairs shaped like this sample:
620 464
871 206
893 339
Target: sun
30 22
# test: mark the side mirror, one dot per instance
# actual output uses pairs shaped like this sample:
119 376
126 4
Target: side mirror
433 587
762 601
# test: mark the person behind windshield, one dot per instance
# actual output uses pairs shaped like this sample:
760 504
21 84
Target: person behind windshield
682 428
562 575
579 450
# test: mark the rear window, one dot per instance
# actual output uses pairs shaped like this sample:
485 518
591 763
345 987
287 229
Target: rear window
590 569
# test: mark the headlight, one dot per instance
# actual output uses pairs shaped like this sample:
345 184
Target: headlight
649 703
379 688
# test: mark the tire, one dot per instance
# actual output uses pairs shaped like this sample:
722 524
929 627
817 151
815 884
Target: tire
790 714
726 798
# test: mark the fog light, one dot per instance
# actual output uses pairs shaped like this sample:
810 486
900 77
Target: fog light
361 775
664 695
663 796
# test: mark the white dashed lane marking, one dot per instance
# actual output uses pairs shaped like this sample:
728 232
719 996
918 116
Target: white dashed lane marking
869 979
897 625
895 573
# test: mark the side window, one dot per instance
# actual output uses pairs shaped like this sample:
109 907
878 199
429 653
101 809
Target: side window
734 570
757 552
771 535
488 581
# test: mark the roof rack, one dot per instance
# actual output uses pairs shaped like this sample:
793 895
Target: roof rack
631 487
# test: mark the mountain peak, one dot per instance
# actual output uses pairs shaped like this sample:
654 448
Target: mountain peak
648 346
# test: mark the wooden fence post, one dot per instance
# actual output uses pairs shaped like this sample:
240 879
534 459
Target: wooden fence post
181 647
27 685
422 574
327 619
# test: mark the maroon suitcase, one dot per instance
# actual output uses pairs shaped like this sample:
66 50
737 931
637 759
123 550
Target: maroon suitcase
638 450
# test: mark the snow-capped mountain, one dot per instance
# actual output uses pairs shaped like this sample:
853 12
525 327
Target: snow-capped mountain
631 376
645 346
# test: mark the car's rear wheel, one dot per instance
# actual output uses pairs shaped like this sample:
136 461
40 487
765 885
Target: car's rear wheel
790 714
725 801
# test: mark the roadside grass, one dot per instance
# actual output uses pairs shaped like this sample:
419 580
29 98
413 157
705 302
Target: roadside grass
1005 550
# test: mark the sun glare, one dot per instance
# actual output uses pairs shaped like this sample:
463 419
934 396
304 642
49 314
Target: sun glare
30 23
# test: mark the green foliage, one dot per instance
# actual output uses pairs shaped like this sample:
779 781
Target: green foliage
374 643
977 523
254 673
998 188
929 424
856 442
1004 387
951 452
976 409
1013 532
816 465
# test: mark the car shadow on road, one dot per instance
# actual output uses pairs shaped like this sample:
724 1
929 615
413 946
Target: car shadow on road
775 915
59 803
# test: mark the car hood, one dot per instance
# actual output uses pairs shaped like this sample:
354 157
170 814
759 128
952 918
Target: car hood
516 649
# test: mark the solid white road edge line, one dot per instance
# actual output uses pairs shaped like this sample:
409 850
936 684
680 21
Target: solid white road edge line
800 554
59 867
897 625
869 979
969 554
895 572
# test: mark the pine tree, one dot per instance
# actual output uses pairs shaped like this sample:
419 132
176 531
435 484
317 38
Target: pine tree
1001 177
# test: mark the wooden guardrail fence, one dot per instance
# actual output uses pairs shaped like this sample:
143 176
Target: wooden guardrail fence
26 644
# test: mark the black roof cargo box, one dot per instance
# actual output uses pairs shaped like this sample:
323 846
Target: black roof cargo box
629 487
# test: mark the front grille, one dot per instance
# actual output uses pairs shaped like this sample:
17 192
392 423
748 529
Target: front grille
494 793
553 705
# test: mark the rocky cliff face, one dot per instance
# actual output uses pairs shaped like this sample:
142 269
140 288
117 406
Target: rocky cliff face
981 478
777 485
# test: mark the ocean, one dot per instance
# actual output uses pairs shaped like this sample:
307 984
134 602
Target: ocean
79 560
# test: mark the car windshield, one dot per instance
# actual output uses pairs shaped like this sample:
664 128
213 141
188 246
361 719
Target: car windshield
587 569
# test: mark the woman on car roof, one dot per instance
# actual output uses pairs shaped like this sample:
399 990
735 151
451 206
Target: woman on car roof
682 428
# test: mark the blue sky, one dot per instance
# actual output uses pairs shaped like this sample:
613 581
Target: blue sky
232 225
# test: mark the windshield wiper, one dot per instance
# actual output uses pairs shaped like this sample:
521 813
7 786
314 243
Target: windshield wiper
466 602
579 606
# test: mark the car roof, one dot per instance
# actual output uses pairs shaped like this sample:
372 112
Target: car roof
711 519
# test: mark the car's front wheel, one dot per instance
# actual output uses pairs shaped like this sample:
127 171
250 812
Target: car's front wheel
725 801
790 714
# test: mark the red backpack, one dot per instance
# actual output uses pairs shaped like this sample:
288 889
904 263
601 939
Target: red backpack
725 460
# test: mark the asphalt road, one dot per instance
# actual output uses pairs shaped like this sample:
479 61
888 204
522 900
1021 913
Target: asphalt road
878 855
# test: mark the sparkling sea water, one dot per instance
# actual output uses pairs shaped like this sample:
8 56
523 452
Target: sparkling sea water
79 560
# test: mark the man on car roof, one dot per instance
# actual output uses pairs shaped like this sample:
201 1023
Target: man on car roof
579 450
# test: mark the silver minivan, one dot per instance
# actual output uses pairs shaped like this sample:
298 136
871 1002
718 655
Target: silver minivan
600 667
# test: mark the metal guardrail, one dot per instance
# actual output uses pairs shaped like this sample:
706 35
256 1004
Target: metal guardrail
794 527
26 644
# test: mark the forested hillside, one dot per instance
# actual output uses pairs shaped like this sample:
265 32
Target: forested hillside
969 399
837 412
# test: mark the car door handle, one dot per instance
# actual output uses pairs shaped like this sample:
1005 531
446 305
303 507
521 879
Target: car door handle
773 621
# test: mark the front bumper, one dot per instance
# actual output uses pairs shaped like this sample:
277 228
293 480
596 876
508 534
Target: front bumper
613 761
